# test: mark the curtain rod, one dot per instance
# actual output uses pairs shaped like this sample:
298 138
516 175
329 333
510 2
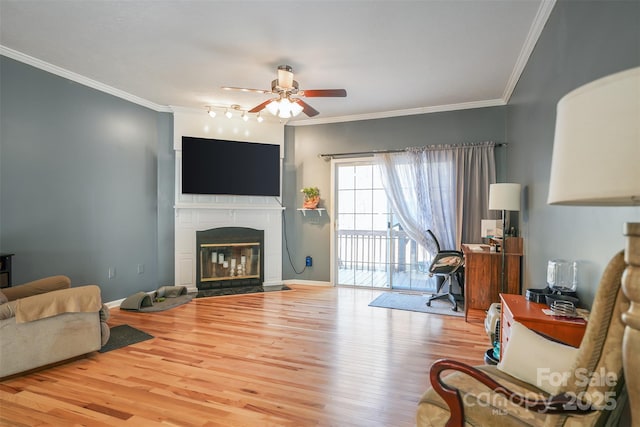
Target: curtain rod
372 152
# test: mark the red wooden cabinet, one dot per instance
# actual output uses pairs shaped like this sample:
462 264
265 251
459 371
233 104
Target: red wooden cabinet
518 308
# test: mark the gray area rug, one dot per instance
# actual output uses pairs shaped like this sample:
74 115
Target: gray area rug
122 336
415 302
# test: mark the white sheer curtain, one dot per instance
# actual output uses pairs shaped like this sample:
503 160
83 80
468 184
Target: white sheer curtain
431 188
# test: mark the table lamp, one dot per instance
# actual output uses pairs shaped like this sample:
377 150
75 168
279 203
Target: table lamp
504 197
596 162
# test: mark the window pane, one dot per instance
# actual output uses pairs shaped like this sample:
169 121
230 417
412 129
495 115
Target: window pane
379 201
346 222
380 222
364 178
346 201
346 177
363 221
364 201
376 178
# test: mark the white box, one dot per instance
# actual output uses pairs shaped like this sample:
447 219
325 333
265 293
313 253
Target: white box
491 228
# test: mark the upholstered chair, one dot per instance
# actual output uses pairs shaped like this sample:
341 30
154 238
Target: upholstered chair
590 393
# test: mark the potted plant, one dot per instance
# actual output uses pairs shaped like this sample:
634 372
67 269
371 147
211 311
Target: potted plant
311 197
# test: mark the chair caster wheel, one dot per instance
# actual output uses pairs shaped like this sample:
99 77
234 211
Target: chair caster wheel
428 303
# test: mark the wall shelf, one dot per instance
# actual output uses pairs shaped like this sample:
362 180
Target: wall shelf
304 211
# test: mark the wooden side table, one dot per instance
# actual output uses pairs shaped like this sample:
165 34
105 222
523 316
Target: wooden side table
517 308
483 273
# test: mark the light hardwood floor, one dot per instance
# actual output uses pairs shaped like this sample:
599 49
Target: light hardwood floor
312 356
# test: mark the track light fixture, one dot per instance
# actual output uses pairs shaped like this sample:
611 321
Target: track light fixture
229 110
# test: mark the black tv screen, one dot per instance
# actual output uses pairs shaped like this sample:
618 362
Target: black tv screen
216 166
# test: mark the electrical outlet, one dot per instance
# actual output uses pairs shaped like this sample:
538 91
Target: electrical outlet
112 272
308 261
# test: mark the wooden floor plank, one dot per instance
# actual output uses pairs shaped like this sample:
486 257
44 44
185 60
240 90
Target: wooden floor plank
312 356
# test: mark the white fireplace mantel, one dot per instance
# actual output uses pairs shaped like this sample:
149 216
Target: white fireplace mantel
229 207
191 220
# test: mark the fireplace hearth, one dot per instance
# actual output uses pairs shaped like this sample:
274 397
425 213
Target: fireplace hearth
229 260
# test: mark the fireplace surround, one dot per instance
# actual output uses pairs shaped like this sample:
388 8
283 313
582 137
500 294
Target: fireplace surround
192 218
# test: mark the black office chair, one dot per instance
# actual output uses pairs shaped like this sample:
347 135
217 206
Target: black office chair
446 265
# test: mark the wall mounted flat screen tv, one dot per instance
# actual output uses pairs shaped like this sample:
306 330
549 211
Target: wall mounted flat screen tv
216 166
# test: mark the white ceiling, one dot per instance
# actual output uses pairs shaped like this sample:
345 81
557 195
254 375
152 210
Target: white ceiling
393 57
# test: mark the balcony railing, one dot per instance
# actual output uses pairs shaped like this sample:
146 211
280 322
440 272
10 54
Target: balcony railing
386 258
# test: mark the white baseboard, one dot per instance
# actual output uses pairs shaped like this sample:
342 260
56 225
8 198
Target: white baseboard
306 282
114 304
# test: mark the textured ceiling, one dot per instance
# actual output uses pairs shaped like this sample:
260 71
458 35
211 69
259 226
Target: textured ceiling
392 57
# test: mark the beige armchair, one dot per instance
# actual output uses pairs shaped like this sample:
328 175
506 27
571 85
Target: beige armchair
589 392
46 321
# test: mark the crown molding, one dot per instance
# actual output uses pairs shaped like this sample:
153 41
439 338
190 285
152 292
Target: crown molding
70 75
542 15
540 20
398 113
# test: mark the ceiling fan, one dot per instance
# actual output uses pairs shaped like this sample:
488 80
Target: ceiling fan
288 104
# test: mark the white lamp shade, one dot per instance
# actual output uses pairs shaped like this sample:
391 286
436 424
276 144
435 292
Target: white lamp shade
285 108
273 107
296 108
596 149
285 77
504 197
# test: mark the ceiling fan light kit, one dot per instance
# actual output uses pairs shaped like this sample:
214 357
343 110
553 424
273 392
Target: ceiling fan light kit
285 106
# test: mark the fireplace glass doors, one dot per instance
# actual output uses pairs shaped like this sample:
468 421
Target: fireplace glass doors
229 258
227 261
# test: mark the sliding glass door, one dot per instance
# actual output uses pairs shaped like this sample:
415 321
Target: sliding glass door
370 247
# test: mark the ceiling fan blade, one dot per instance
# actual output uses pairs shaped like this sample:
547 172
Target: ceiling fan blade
306 108
323 92
244 89
260 107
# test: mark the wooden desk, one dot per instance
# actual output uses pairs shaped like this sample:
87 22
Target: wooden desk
483 273
518 308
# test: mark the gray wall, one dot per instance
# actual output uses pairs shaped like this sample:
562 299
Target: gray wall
86 183
310 235
86 179
581 42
